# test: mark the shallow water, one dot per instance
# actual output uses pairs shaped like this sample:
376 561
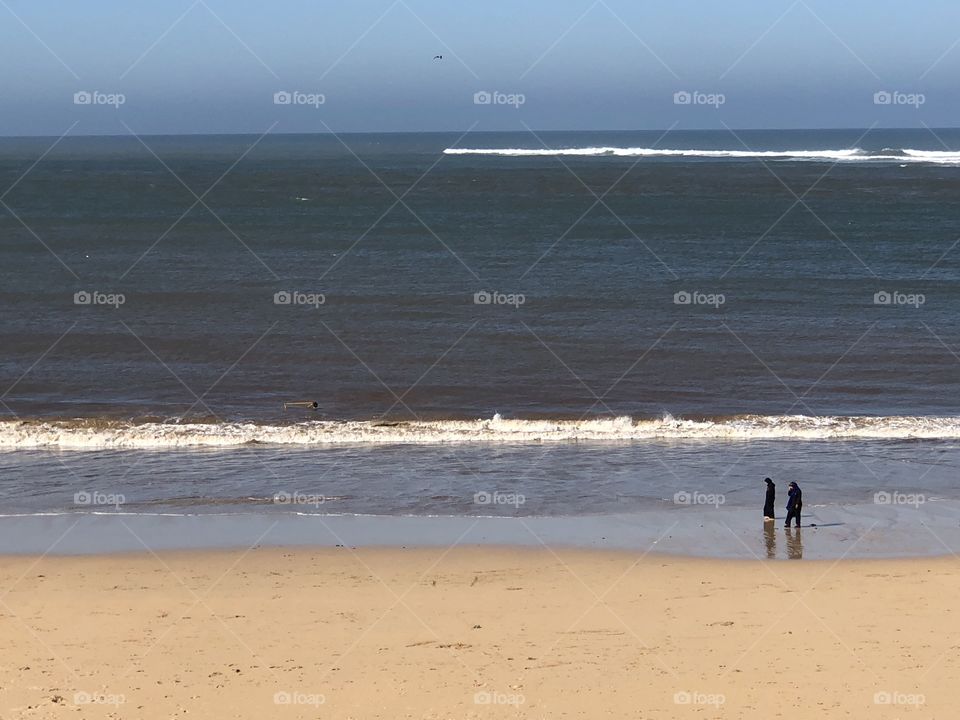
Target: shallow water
529 480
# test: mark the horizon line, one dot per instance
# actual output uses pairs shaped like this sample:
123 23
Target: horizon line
330 133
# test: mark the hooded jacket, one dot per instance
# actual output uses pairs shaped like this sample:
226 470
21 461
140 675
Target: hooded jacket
794 498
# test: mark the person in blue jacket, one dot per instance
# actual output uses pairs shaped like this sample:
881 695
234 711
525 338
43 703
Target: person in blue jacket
794 504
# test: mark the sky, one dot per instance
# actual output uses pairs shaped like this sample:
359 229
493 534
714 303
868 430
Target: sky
216 66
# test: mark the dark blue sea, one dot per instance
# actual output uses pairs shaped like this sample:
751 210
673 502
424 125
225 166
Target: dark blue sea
593 321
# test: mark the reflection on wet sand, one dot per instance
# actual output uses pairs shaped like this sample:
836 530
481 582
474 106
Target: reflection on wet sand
794 543
770 540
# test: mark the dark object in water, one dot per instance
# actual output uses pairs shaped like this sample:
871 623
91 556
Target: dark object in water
305 404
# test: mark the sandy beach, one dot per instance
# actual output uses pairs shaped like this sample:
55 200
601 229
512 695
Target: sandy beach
473 633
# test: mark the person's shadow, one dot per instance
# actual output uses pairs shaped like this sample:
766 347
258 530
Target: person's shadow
770 540
794 543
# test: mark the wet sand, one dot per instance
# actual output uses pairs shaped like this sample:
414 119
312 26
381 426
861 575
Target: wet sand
847 531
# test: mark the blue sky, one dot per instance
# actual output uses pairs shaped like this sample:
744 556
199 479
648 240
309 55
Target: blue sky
202 66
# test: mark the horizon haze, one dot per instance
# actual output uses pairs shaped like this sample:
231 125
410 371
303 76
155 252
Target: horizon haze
210 67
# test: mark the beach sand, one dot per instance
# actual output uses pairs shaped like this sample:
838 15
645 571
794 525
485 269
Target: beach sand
475 633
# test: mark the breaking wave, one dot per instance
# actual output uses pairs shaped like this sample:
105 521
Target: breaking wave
93 435
906 155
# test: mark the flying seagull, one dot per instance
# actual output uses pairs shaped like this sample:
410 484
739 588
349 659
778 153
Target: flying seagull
438 57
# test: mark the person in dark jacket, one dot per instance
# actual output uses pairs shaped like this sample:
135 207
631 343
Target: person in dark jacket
794 504
770 500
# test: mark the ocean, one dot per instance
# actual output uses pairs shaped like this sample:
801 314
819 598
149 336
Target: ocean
549 325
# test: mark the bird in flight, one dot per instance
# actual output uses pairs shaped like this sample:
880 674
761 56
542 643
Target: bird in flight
438 57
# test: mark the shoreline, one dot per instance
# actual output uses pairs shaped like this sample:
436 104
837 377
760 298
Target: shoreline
828 533
492 550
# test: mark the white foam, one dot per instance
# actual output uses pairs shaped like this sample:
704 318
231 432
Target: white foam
83 435
932 156
843 155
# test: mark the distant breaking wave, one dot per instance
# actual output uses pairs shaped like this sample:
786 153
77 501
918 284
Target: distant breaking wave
100 434
851 155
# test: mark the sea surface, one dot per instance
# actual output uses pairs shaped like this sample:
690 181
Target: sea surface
510 324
